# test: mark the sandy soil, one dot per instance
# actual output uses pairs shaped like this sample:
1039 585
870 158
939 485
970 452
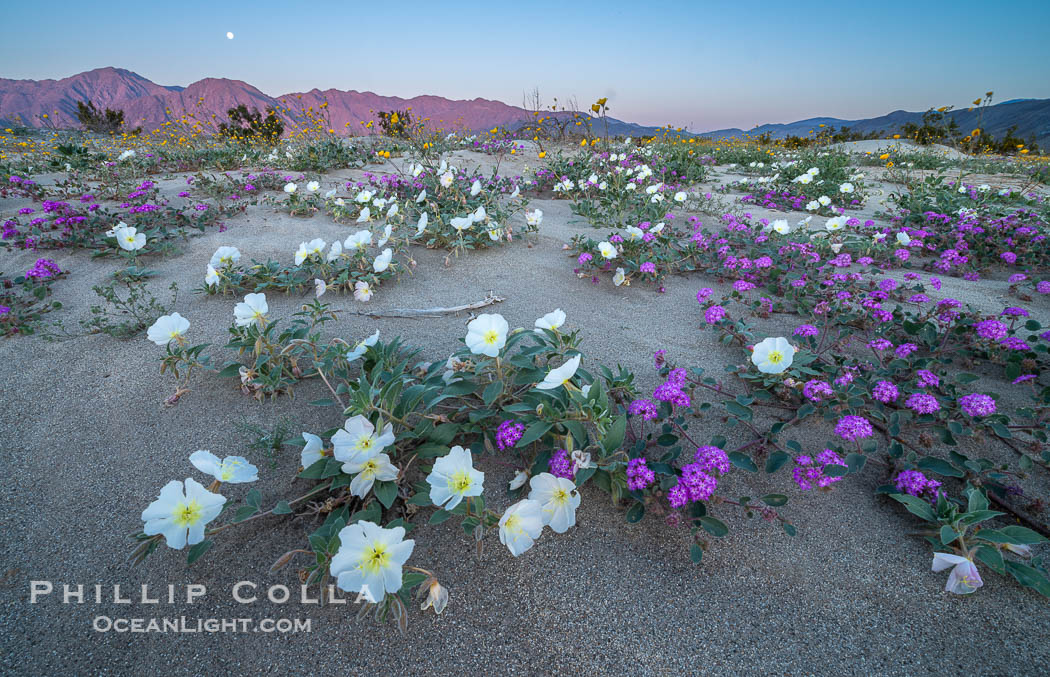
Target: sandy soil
87 446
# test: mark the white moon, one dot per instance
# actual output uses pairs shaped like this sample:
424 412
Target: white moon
229 36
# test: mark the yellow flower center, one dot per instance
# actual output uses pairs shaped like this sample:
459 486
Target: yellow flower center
370 467
365 443
775 356
560 497
187 514
513 523
491 336
375 558
460 482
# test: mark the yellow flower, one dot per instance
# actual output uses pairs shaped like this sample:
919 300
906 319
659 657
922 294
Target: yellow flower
543 154
896 136
884 156
976 132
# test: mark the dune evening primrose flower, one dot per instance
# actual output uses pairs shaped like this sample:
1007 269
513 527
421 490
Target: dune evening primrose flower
607 250
309 249
369 470
487 334
556 378
534 218
231 470
129 239
312 452
521 525
421 225
359 241
552 321
252 309
559 499
361 347
362 291
964 578
225 256
168 328
382 261
773 355
290 188
454 478
181 512
313 186
358 439
370 559
620 277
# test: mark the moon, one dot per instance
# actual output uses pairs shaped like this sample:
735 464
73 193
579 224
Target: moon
229 35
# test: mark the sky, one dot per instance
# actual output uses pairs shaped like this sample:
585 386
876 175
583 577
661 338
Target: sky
700 64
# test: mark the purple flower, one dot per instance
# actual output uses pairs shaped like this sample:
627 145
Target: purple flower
905 349
1043 287
885 392
712 458
1013 343
880 344
927 379
1013 311
993 330
807 330
639 476
816 390
560 465
647 409
702 295
852 428
915 483
714 314
508 433
977 404
922 403
1022 379
809 472
584 258
647 267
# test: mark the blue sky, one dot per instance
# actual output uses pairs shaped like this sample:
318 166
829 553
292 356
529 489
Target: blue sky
705 64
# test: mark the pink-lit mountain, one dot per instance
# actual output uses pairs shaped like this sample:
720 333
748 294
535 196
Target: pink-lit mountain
149 105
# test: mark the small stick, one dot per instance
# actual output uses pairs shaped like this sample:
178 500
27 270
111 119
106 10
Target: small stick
424 312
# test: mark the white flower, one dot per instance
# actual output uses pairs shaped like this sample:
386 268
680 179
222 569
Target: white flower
813 171
903 238
335 251
479 215
475 188
358 440
126 155
1018 549
368 471
422 196
454 478
386 235
607 250
370 558
225 256
619 277
365 215
558 498
362 291
168 328
824 200
382 261
446 179
417 170
984 188
359 241
181 512
781 226
379 202
812 205
964 578
392 212
211 276
846 188
307 249
313 186
773 355
681 196
495 234
517 191
556 378
252 309
290 188
804 179
878 237
551 320
487 334
534 218
634 233
657 229
835 223
129 239
452 366
581 459
362 347
312 452
330 194
364 197
320 287
520 478
461 223
232 469
424 218
521 525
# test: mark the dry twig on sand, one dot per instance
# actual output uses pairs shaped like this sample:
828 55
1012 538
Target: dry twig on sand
429 312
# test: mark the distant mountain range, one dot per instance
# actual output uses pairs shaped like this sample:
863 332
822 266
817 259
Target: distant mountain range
1031 116
149 105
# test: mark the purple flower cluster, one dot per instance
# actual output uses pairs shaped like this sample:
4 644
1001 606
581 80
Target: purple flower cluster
809 471
852 428
977 404
508 433
712 459
647 409
639 476
694 485
714 314
816 390
992 330
671 389
927 379
922 403
43 268
915 483
807 330
560 465
885 392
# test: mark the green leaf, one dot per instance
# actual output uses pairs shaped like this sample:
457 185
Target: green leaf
965 378
979 516
776 461
916 506
584 474
976 500
743 461
636 512
738 410
939 466
533 433
856 462
775 500
254 498
386 492
789 529
1001 430
494 390
231 370
282 508
614 437
197 551
948 534
1029 577
713 526
696 553
992 557
1017 535
835 470
326 402
439 517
